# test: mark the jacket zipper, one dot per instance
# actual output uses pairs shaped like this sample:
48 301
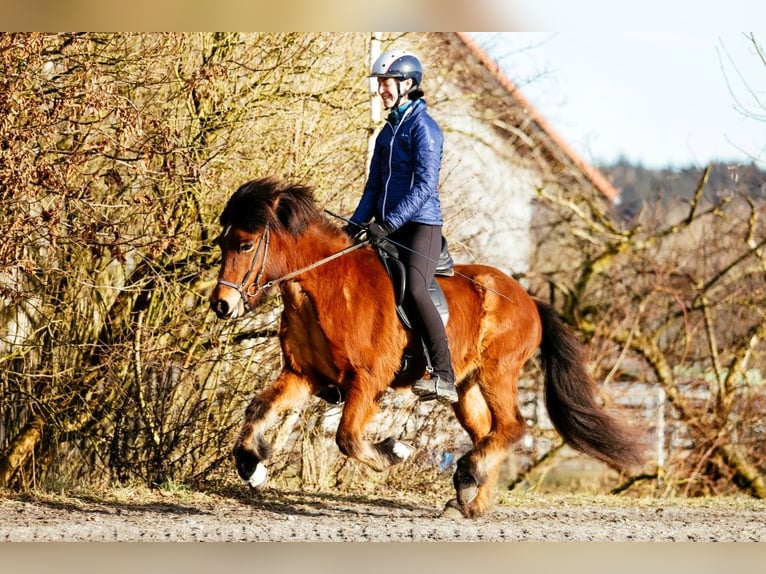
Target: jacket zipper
391 156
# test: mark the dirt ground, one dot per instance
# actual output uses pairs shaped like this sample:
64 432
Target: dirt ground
291 516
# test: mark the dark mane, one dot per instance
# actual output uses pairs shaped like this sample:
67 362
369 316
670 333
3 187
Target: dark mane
288 207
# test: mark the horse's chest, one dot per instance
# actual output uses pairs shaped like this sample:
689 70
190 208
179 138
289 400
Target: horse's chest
303 339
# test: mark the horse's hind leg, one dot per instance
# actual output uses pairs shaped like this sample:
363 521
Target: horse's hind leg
360 406
251 447
489 412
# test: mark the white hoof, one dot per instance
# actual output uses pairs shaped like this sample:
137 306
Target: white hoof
258 478
403 451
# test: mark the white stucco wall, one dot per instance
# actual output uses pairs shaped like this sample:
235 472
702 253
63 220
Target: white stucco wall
486 197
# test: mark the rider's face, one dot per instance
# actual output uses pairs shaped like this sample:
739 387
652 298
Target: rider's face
390 88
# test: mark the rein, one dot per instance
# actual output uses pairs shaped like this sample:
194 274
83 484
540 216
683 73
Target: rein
245 291
316 264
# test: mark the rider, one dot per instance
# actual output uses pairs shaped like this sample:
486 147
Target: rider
402 196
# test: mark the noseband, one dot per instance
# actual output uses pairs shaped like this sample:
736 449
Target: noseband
254 288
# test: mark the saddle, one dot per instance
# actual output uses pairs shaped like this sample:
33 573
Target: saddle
389 256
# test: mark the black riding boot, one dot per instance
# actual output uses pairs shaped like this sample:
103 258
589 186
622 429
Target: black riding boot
441 384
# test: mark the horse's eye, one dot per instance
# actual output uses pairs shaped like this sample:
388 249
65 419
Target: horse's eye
245 247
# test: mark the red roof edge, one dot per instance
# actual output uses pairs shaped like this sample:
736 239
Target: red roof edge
595 176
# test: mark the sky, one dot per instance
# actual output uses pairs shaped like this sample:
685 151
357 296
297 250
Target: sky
657 82
661 99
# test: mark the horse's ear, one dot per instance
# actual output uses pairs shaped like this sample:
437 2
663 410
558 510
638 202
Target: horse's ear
286 213
295 210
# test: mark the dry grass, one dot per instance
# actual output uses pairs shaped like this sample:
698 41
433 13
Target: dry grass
141 496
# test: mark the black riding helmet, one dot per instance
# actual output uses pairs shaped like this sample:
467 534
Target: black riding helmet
399 64
402 65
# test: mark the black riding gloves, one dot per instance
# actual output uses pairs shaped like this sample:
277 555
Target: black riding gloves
378 231
354 231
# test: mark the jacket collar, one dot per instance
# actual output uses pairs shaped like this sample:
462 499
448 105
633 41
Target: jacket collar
398 114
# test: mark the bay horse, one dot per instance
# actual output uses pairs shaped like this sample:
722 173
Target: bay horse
340 336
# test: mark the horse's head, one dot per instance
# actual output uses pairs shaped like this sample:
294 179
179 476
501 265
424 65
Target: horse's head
259 211
241 277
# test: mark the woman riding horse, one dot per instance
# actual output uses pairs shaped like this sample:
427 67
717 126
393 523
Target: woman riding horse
402 193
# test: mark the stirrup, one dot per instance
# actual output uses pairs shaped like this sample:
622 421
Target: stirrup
435 388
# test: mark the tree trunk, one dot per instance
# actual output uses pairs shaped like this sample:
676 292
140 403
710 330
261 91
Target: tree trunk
20 449
747 472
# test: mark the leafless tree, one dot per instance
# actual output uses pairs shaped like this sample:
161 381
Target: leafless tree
674 299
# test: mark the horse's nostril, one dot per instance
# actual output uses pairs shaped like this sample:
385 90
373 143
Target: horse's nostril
221 308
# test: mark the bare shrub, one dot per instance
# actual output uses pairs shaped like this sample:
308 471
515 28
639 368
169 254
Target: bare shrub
116 153
673 299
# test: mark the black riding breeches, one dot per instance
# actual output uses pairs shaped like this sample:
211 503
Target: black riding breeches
419 248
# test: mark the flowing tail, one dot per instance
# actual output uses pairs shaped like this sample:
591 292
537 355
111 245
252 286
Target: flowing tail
570 398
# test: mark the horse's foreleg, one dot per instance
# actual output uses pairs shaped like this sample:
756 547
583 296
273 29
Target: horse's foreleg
359 408
251 448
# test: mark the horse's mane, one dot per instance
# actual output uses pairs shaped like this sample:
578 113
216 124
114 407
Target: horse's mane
283 206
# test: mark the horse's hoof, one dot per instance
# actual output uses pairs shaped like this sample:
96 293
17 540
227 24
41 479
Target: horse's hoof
258 478
402 450
467 494
466 486
452 510
393 451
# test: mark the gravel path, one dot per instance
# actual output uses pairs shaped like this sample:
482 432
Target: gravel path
293 516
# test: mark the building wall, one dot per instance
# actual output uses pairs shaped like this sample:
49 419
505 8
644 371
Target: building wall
487 196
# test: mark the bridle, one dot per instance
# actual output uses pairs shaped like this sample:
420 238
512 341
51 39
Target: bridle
254 288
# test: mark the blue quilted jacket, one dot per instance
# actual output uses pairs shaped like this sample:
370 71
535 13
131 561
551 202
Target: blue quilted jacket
404 172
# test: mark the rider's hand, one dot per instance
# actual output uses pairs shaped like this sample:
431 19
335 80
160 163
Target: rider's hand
378 231
354 231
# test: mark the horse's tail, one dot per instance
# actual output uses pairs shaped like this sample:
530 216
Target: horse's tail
570 398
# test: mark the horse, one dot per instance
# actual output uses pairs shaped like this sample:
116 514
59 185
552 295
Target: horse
340 336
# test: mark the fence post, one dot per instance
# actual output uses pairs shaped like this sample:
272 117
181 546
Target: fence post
661 453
